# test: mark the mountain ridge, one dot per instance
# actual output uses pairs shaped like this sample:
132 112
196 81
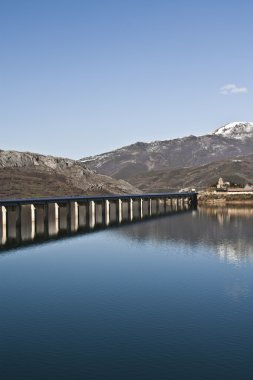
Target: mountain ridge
191 161
237 170
187 151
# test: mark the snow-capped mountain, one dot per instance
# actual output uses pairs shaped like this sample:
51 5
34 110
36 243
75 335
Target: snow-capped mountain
240 130
230 141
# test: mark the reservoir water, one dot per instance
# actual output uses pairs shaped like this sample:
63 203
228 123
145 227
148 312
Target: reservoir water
164 298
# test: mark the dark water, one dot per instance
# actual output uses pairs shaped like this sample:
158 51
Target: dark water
170 298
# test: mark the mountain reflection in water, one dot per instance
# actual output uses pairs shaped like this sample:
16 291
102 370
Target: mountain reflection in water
227 230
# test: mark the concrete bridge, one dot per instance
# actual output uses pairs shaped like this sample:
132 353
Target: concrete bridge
23 219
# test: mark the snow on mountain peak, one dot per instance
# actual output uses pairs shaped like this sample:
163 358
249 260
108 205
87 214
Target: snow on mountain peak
239 130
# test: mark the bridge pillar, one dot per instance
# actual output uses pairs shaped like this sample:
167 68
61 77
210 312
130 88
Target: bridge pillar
92 214
73 216
140 208
27 218
130 209
150 207
51 219
64 216
119 210
27 213
164 205
83 214
13 222
106 212
3 222
157 205
40 215
187 202
3 219
194 200
167 204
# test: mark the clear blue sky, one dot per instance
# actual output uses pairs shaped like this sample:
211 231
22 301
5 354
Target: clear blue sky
80 77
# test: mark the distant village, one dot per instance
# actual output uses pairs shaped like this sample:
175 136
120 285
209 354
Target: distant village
225 186
228 187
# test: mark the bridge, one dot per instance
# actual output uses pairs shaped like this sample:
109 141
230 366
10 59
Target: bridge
23 219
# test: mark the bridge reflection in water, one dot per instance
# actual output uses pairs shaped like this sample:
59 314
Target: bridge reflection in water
32 220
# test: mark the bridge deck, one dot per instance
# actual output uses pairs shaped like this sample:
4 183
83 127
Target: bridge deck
96 198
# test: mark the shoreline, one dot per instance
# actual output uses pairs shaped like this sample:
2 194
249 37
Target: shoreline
223 199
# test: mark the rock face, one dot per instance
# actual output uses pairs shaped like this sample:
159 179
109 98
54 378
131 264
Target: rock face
30 174
230 141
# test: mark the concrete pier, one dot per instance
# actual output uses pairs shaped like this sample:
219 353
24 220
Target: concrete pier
83 214
52 218
157 205
13 221
27 220
73 209
150 207
3 214
92 214
130 209
3 224
40 220
119 210
64 216
141 208
106 212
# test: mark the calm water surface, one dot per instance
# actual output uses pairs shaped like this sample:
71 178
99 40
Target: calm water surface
170 298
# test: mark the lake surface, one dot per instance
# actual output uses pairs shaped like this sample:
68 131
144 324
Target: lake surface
169 298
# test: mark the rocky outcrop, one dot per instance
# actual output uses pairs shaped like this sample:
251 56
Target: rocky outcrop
25 174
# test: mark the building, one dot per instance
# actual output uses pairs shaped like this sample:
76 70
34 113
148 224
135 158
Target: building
221 185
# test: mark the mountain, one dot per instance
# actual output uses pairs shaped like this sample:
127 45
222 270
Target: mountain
157 166
237 170
129 162
240 130
24 174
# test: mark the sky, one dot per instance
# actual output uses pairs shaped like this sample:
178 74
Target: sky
82 77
